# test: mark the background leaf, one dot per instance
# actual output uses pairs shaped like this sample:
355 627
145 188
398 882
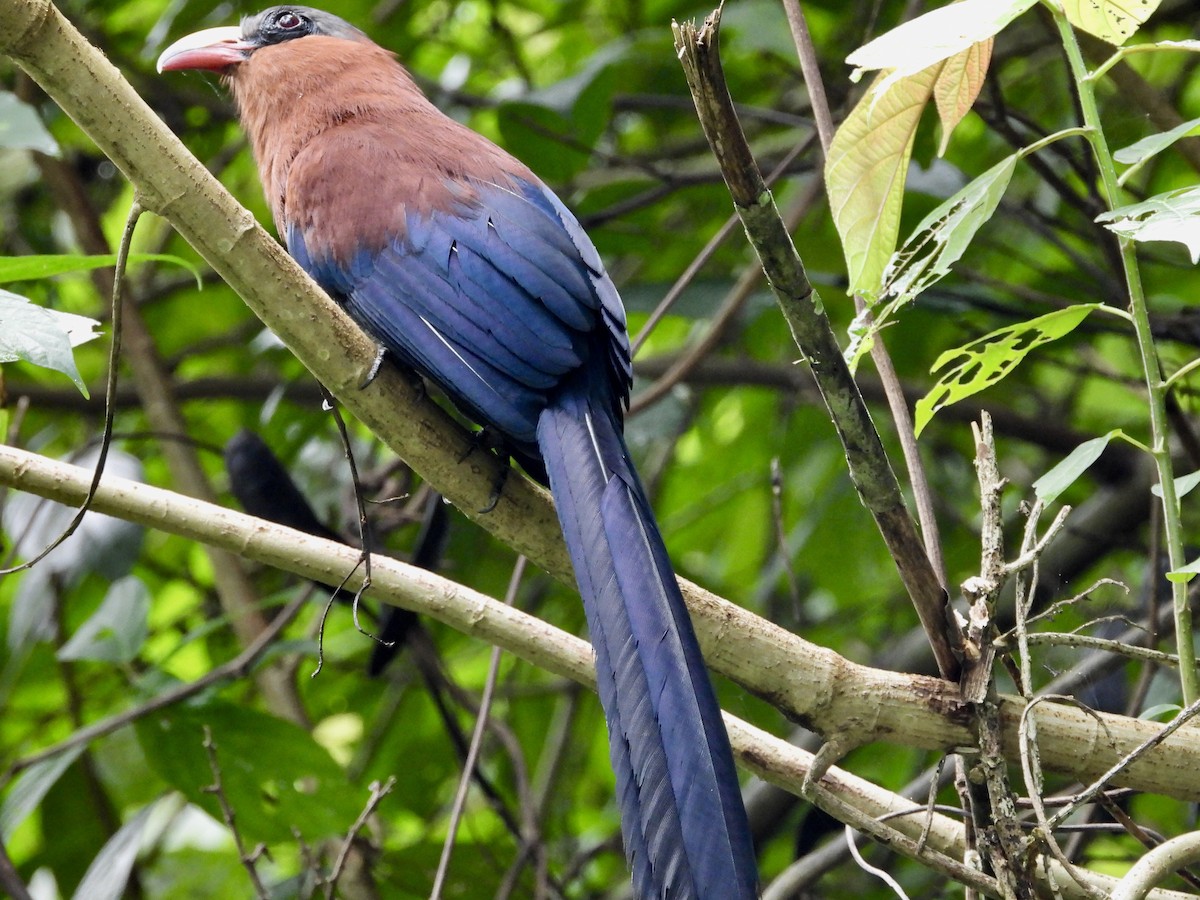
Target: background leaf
43 337
21 129
274 775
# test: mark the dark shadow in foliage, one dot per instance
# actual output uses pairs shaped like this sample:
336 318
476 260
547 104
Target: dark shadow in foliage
264 488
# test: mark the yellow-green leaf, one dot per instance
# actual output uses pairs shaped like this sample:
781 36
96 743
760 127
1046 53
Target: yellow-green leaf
958 85
1114 21
984 361
865 172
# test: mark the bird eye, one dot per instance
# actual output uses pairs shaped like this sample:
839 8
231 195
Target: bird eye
289 21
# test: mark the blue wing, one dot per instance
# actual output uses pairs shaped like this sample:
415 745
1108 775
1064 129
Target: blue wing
496 300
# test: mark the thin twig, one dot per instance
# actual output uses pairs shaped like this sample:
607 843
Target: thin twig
378 792
485 703
248 860
110 391
10 880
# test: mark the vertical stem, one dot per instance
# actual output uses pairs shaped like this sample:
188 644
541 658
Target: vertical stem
1156 387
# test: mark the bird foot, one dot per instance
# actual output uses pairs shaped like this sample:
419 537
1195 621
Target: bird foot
376 365
488 441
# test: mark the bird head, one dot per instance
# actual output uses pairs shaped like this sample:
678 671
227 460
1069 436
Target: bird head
220 49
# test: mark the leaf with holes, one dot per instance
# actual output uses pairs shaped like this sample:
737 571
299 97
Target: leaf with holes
942 237
1114 21
928 254
985 361
1173 216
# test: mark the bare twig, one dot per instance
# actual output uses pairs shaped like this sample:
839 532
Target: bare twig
485 704
9 879
378 792
249 859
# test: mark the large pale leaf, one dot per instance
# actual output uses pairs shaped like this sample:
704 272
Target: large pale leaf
1114 21
937 35
20 127
983 362
1173 216
958 85
865 172
43 337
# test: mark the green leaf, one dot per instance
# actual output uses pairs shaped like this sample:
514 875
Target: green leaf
1140 151
1184 485
35 268
1062 476
1186 573
1161 712
554 128
987 360
31 786
1114 21
21 128
937 35
865 173
43 337
273 774
116 631
1173 216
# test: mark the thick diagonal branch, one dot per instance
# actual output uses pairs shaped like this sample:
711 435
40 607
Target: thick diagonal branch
870 469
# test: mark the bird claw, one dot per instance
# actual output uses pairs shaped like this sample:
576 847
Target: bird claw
376 365
497 489
485 439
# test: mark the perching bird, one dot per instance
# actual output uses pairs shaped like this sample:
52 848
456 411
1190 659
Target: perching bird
467 268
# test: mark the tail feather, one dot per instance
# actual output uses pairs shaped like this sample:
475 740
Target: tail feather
681 811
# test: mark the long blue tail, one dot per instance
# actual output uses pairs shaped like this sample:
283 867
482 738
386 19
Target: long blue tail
682 817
